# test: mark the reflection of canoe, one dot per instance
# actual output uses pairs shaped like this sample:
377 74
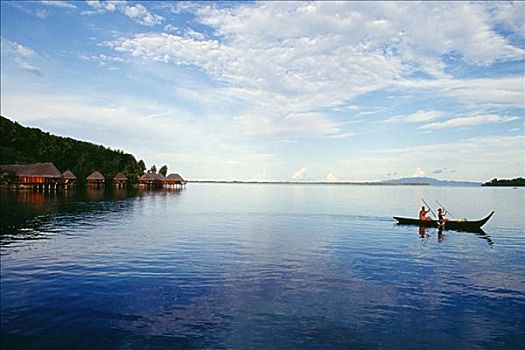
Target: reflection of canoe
464 225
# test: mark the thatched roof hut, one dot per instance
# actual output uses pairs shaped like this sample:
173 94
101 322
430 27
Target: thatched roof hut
36 170
95 177
36 174
120 180
69 179
68 175
120 177
151 179
175 178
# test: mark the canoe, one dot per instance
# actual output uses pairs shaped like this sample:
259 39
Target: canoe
461 225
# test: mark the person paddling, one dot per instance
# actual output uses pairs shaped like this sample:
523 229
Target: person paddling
423 214
441 215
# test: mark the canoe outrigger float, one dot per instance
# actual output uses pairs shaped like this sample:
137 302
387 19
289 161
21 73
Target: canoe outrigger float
461 225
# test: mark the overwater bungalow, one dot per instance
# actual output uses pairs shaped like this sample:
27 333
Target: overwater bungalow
161 177
41 176
151 180
120 180
95 179
174 180
69 180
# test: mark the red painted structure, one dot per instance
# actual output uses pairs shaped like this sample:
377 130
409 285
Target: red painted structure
37 175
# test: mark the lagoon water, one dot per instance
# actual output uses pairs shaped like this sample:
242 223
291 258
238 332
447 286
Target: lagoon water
260 267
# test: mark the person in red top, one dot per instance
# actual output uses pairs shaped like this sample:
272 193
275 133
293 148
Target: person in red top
423 214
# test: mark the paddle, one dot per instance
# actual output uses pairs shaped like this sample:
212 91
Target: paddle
442 206
428 206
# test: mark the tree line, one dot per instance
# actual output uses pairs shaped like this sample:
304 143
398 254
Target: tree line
519 181
23 145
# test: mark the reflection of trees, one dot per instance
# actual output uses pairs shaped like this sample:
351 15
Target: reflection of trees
95 193
29 215
120 193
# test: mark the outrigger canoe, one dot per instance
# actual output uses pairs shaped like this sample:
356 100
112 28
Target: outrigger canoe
462 225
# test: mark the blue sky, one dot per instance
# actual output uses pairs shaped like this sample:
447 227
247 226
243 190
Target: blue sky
348 91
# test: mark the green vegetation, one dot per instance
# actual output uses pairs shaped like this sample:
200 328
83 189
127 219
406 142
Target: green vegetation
163 170
519 181
22 145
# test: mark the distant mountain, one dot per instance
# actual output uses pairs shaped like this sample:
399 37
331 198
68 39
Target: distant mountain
433 182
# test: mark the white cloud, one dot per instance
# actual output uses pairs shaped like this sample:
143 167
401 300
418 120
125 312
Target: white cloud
468 121
261 176
183 6
20 55
136 12
293 124
301 71
443 171
190 33
299 174
42 14
110 6
141 15
284 95
503 92
23 50
28 67
416 31
102 59
294 58
343 135
509 15
330 178
419 172
62 4
169 28
417 117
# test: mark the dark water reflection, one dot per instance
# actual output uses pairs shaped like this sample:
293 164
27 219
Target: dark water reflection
36 215
424 233
251 267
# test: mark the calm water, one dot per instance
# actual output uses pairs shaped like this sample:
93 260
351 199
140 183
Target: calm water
260 266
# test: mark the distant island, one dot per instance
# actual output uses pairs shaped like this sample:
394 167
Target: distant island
433 182
517 182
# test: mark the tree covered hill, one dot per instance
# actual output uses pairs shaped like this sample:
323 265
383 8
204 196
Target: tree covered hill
21 145
519 181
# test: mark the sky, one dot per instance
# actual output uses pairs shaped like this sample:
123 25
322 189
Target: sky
269 91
